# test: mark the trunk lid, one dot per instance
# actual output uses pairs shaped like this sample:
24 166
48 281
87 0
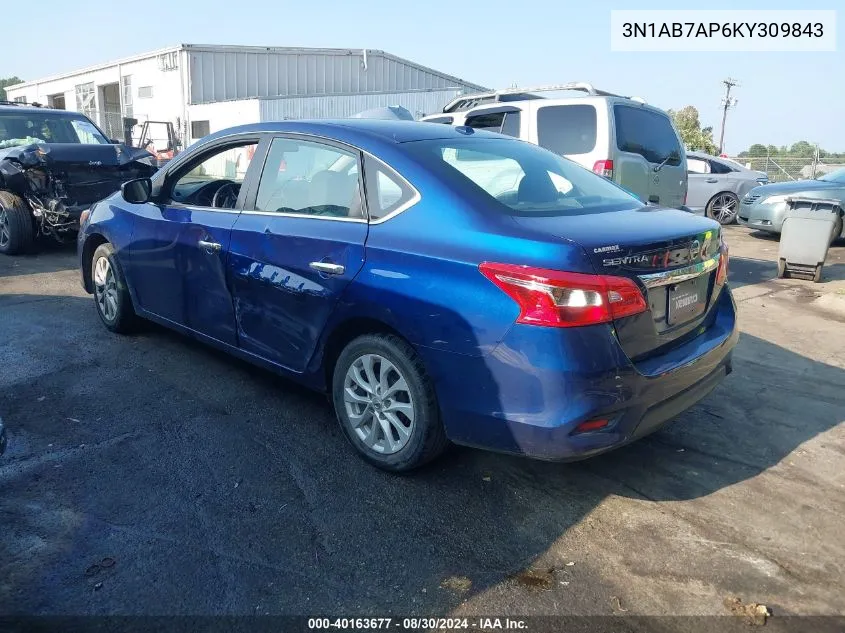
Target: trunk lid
671 255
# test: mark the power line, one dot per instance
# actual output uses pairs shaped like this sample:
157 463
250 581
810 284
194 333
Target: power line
727 102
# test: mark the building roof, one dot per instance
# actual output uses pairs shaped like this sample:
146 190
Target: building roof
278 50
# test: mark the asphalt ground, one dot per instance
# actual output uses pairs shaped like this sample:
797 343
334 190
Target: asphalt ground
152 475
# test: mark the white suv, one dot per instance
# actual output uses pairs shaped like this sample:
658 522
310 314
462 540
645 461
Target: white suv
621 138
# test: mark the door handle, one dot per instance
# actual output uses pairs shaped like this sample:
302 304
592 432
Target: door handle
711 180
209 247
327 268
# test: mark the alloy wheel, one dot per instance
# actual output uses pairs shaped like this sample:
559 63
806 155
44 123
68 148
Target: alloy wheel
724 208
378 404
4 228
105 289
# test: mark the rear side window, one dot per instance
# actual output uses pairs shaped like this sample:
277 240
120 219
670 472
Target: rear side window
309 178
646 133
567 129
720 168
500 122
387 192
697 166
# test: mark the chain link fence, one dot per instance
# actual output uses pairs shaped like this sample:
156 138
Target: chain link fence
112 124
787 168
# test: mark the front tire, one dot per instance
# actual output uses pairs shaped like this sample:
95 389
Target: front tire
385 403
723 207
111 294
17 232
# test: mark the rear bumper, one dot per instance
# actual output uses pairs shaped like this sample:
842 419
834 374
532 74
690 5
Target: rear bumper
528 396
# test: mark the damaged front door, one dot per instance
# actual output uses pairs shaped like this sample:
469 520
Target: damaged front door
180 245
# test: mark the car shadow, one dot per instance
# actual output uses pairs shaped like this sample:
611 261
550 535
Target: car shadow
220 488
745 271
42 258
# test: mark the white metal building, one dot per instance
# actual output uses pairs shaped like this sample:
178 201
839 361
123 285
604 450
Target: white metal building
202 89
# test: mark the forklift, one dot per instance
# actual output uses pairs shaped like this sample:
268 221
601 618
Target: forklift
157 137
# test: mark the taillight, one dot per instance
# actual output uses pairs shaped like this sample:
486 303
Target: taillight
555 298
604 168
722 272
590 425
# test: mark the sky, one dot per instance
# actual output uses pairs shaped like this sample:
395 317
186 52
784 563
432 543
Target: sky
782 97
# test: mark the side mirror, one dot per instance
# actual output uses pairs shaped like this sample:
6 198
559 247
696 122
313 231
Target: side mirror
137 191
114 141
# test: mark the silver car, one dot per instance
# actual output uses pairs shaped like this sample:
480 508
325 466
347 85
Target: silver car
716 186
763 208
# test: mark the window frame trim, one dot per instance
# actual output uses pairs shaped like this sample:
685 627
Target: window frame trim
230 141
251 183
252 194
393 173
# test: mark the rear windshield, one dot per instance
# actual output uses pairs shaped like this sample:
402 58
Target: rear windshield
647 133
25 128
526 179
567 129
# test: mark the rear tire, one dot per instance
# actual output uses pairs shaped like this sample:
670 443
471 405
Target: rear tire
782 272
817 274
723 207
111 294
385 403
17 232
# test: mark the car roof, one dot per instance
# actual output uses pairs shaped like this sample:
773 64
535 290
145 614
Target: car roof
610 100
355 131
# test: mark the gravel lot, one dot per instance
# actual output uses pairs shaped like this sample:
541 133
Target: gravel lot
152 475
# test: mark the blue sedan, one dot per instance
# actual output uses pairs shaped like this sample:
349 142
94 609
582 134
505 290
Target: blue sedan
442 284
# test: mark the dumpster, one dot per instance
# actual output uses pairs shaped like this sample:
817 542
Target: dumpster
806 236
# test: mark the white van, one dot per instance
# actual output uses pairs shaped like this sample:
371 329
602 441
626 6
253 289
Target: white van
622 138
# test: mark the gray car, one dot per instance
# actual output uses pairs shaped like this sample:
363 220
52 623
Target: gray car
716 186
763 208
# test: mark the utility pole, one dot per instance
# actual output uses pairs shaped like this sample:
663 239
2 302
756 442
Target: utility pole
727 102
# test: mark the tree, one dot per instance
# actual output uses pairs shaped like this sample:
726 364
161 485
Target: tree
692 134
755 150
802 149
8 81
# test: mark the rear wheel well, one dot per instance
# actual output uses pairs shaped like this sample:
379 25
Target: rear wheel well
721 193
91 245
345 333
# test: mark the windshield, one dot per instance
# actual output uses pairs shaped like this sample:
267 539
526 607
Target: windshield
834 176
525 178
24 128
